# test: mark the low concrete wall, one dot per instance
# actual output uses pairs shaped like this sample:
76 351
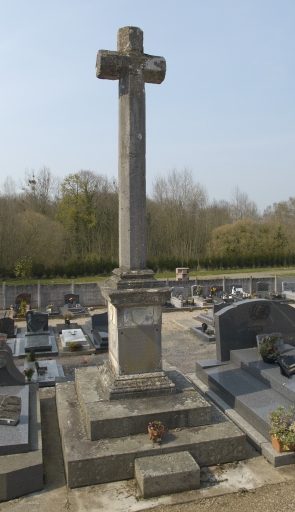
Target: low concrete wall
249 284
44 294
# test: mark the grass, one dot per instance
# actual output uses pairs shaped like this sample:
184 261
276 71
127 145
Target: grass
289 272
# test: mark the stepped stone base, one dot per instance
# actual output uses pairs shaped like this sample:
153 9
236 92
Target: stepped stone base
22 473
167 474
112 459
105 419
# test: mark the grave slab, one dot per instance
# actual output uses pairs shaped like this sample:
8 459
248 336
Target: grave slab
166 474
53 371
22 473
73 336
22 352
15 439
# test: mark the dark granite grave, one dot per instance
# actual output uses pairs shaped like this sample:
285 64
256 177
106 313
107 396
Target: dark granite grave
38 343
71 298
236 326
36 322
7 326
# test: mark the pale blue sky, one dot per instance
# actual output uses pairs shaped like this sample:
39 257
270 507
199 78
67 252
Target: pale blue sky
225 110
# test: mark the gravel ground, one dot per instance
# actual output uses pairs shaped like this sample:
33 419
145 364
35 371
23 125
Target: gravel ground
181 349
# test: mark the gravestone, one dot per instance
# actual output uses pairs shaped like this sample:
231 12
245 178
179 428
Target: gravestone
73 336
23 296
237 325
38 343
9 374
262 286
7 326
71 298
36 322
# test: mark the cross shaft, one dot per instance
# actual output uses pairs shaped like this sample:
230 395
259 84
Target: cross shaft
132 68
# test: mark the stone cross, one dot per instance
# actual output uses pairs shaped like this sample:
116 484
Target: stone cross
132 68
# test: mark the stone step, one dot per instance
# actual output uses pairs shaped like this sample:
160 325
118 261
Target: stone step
250 397
118 418
166 474
269 374
108 460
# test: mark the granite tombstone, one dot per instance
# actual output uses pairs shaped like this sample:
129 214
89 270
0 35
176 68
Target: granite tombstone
237 325
37 322
7 326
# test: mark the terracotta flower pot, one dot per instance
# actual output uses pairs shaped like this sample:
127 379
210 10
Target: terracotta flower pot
156 433
280 447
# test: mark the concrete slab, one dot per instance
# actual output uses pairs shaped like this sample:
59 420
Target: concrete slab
198 331
131 416
106 460
15 439
166 474
22 473
269 374
260 443
53 371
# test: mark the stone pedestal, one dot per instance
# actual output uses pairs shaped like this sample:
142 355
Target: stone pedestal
135 321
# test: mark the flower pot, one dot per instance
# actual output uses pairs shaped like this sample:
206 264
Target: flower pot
280 447
156 433
268 360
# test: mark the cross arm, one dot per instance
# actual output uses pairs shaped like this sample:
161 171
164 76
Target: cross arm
154 69
111 65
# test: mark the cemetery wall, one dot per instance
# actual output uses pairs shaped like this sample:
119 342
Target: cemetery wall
272 284
89 294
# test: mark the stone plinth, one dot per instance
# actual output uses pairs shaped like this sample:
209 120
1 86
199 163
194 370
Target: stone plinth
134 326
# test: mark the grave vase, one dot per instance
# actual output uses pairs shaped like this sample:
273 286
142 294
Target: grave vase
268 360
280 447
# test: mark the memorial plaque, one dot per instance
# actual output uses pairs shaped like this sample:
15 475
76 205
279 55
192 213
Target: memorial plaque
10 409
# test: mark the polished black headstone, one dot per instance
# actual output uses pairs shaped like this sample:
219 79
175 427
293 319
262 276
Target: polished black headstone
36 321
71 298
236 326
7 326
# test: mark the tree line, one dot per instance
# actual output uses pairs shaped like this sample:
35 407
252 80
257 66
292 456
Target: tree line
69 228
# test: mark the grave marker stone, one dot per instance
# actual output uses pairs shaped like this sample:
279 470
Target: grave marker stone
9 374
7 326
36 322
71 298
237 325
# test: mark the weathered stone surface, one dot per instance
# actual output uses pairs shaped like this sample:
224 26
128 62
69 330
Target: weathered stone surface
128 417
166 474
107 460
132 68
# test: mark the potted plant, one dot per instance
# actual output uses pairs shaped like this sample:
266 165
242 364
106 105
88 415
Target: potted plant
68 316
270 346
29 373
74 346
282 428
31 361
156 431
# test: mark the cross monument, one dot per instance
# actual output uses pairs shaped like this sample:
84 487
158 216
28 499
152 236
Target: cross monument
133 294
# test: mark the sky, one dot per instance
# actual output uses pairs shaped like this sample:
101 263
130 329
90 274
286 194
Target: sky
225 110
